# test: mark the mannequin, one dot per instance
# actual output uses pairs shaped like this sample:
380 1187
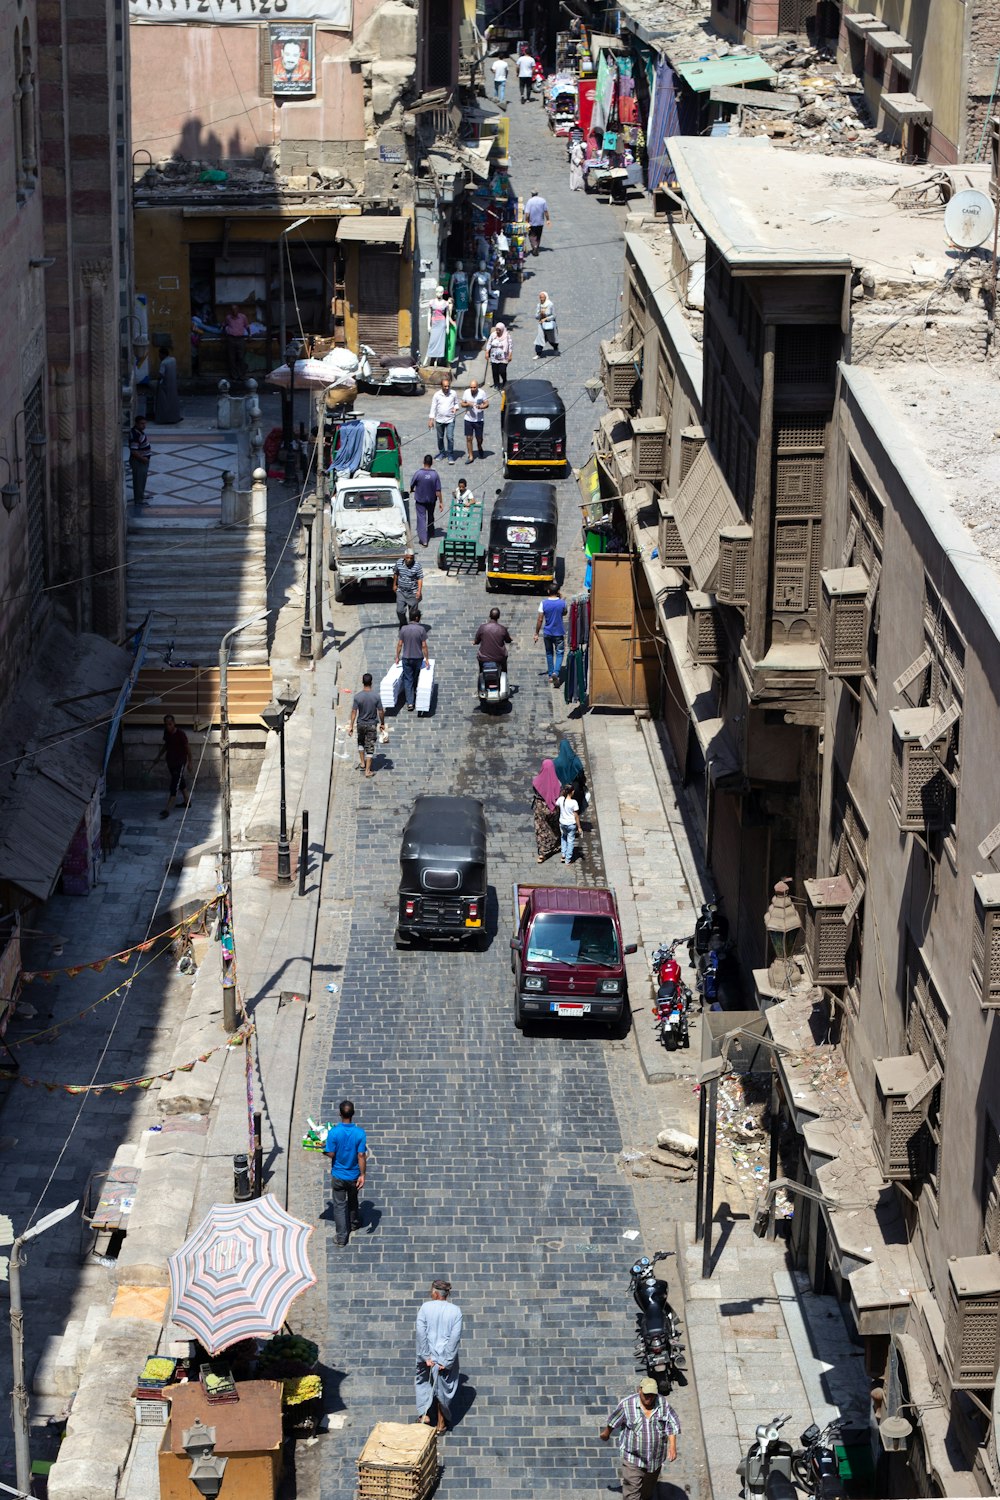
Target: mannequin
460 296
480 298
438 321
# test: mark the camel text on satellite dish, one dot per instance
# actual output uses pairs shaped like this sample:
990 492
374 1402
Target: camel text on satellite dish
968 218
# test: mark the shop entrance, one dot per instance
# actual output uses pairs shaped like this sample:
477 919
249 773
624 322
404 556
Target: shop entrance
378 300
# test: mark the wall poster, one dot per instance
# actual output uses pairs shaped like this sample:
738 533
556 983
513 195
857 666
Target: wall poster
292 54
335 14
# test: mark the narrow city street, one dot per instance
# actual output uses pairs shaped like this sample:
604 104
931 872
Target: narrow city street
494 1155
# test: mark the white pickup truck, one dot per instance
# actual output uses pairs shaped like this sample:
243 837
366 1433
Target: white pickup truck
369 531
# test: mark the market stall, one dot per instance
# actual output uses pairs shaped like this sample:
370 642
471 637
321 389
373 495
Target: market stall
561 102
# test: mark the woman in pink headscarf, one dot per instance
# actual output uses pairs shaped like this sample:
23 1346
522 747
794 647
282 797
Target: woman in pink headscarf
499 349
546 789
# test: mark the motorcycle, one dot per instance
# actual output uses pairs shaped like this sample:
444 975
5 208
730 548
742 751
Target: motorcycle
658 1345
494 687
390 375
673 998
707 948
766 1468
817 1469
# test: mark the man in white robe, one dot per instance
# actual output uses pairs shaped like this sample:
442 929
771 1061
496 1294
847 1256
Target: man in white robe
439 1332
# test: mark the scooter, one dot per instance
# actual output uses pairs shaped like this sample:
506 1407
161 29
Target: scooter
766 1468
494 687
391 375
816 1469
658 1346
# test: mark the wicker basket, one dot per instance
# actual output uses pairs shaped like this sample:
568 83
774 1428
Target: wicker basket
398 1462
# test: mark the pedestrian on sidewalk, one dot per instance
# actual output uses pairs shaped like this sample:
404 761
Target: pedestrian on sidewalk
545 789
526 75
177 751
412 648
647 1429
369 715
439 1333
425 486
499 349
500 67
577 157
347 1147
236 330
550 624
407 585
536 211
569 822
140 452
548 331
474 404
444 409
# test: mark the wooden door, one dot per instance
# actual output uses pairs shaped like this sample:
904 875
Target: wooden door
624 663
378 299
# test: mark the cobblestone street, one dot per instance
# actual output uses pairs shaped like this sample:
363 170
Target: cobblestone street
493 1155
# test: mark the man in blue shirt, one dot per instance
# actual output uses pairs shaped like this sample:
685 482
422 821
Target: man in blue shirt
347 1148
550 623
425 487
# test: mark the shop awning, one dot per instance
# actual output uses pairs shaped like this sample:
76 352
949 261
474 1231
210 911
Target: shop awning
67 702
703 505
716 72
373 229
590 486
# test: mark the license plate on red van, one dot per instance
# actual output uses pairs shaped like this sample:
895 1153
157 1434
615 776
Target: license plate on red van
570 1008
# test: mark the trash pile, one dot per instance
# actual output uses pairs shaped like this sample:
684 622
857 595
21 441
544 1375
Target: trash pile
817 107
672 1159
744 1137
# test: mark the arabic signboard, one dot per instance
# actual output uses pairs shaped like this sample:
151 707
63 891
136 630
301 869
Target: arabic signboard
335 14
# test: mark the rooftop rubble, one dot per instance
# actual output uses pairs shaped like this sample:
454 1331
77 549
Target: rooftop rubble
216 181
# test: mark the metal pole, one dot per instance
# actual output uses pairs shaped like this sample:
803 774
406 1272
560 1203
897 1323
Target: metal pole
699 1199
318 526
19 1394
226 840
258 1156
709 1208
284 852
286 405
303 853
306 639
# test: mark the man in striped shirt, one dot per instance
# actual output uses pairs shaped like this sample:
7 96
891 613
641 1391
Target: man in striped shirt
647 1431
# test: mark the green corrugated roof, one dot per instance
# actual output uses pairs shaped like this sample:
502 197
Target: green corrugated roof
702 76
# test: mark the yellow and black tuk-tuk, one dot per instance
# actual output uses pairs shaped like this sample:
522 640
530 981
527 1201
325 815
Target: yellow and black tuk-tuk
523 534
533 426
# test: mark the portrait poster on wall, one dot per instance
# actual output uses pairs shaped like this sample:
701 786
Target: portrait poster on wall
293 49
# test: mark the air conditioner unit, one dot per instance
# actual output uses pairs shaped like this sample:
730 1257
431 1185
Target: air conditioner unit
972 1321
732 585
986 940
826 935
919 790
692 442
619 373
843 621
669 544
704 628
649 448
900 1134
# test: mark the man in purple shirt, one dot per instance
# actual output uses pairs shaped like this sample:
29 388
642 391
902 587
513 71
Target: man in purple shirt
425 487
492 638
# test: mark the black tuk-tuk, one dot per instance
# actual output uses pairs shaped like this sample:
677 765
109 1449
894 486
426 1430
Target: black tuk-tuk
533 426
522 539
442 861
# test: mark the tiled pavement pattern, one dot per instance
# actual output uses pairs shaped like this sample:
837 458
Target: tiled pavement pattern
493 1155
185 473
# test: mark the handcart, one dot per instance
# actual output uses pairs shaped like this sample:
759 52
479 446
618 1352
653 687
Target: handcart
460 547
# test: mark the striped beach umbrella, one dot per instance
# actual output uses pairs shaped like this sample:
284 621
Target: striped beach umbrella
239 1272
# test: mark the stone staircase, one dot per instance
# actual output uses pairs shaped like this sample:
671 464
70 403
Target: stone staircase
199 578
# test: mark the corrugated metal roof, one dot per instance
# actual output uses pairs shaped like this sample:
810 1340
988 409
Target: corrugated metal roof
706 73
54 730
373 229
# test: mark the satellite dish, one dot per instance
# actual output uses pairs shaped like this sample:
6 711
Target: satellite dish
969 218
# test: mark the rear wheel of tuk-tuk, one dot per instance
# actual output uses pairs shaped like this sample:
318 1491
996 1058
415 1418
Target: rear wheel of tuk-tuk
400 940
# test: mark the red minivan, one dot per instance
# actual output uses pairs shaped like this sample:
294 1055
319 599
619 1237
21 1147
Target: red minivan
567 955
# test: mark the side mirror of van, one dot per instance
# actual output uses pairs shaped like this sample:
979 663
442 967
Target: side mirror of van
515 944
631 947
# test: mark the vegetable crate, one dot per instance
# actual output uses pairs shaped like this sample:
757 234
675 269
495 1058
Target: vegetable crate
461 547
398 1462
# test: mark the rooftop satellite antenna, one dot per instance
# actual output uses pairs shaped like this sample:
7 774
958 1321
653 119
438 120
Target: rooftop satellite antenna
969 217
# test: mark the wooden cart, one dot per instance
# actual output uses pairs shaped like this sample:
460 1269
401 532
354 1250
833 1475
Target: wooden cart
461 547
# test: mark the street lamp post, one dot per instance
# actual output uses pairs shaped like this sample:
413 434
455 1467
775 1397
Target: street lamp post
22 1439
307 520
287 402
226 837
275 716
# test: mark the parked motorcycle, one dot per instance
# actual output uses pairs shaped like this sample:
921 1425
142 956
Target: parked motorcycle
658 1345
817 1469
673 998
494 687
390 375
707 948
766 1468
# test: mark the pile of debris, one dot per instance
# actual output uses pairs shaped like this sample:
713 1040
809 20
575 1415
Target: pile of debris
815 107
261 177
672 1159
744 1132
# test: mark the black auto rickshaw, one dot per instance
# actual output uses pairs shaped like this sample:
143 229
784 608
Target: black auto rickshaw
522 538
442 861
533 427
